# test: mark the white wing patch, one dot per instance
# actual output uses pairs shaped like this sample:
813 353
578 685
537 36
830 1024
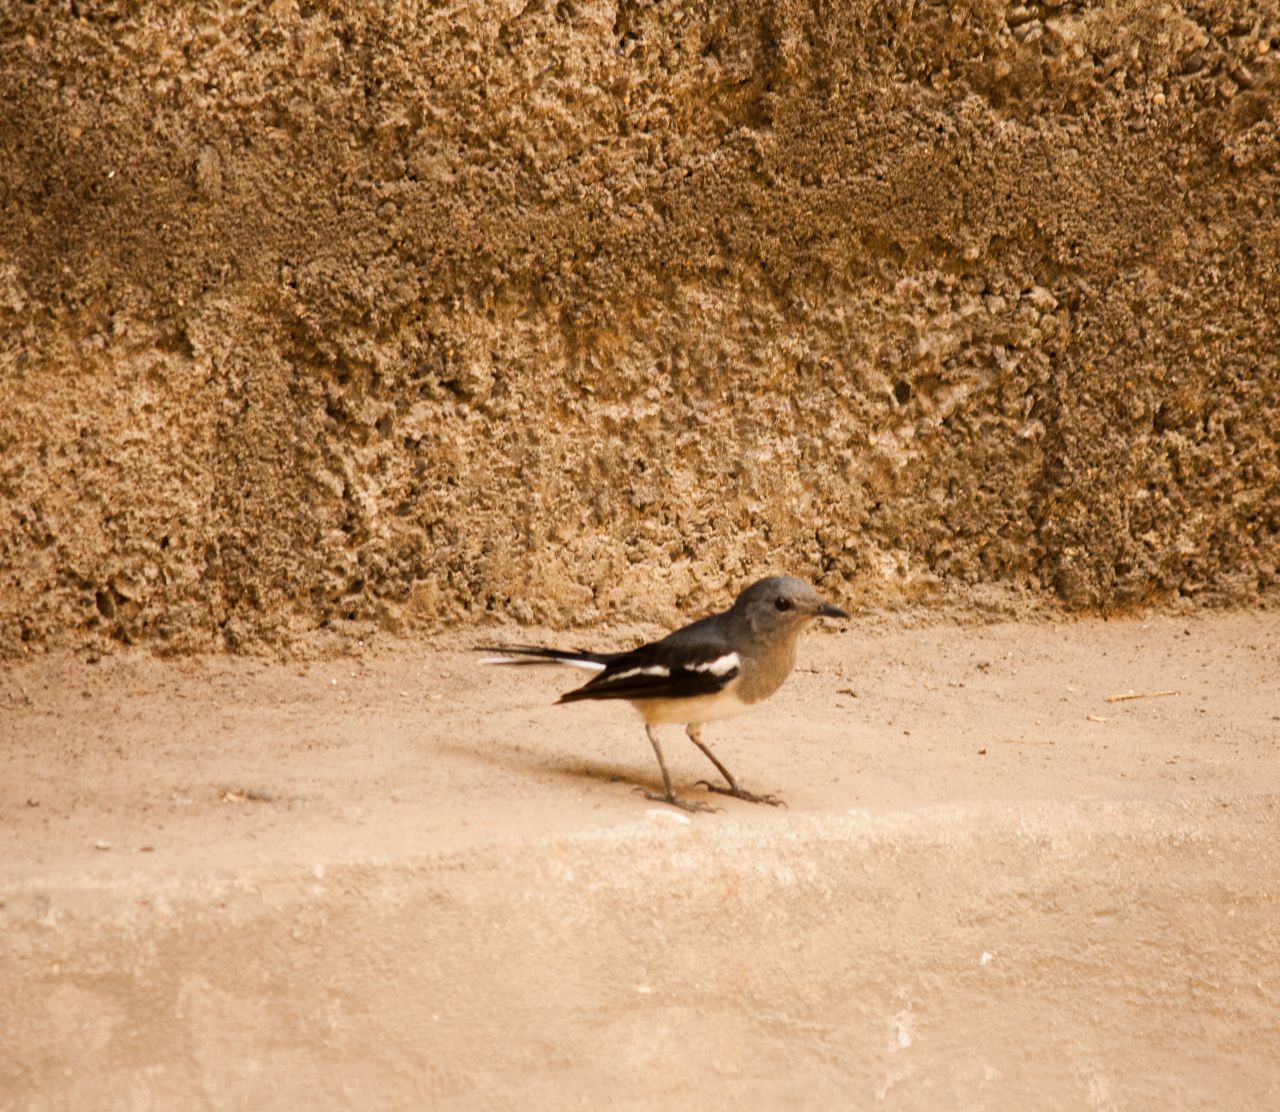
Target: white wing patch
652 670
721 666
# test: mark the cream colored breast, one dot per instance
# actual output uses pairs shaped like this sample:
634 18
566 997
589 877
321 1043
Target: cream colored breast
703 708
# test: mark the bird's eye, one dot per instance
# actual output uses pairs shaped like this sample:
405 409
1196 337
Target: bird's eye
783 603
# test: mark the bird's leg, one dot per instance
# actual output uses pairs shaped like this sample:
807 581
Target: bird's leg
694 730
670 795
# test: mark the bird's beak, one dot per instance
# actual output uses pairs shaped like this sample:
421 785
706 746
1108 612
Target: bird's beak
826 610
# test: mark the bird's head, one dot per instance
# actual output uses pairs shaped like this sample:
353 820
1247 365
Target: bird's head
782 604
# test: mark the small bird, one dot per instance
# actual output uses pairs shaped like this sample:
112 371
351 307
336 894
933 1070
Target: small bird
714 668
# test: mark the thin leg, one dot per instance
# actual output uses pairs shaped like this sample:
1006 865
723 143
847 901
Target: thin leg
670 796
694 730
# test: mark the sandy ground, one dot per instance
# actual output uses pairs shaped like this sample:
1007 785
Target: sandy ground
139 775
405 749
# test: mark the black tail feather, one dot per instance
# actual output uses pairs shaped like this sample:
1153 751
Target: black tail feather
525 654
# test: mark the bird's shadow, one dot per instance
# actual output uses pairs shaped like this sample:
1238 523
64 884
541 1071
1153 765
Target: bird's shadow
521 758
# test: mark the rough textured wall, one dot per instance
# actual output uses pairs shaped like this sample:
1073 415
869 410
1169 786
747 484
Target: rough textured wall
319 310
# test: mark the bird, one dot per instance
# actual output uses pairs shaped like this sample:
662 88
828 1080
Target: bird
711 669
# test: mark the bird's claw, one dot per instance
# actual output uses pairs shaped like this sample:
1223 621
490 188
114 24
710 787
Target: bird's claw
675 800
742 793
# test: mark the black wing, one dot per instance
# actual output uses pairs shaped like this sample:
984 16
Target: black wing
692 661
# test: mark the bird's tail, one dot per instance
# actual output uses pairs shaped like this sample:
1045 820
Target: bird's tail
520 654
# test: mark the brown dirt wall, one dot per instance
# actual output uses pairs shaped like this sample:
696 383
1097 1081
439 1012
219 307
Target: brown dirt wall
405 313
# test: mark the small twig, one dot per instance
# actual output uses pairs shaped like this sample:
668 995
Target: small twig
243 795
1127 695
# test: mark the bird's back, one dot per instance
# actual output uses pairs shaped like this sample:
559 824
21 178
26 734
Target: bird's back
693 661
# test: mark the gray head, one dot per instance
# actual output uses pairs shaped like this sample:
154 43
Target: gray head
782 603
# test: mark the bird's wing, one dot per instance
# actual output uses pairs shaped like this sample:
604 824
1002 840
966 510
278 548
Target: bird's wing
693 661
522 654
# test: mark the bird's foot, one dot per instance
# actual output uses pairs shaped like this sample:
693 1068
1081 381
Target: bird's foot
675 800
742 793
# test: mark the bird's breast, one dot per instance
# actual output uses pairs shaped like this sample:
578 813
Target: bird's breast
694 711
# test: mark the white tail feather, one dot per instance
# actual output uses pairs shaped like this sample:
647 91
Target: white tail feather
586 665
